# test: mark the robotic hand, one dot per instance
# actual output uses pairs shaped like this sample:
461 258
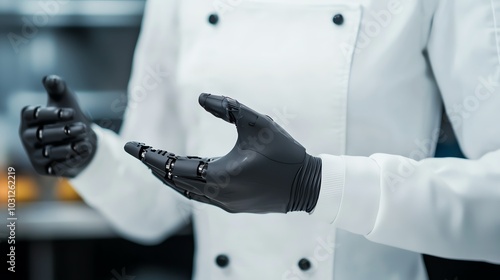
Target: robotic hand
57 138
266 171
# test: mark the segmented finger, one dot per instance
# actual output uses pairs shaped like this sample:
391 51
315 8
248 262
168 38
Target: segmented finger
53 134
37 115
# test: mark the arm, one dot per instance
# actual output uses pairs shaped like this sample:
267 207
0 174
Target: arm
139 206
441 206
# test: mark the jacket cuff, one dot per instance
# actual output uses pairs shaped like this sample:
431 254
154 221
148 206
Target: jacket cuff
92 183
350 193
332 184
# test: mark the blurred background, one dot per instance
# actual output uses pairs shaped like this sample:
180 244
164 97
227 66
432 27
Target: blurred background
91 44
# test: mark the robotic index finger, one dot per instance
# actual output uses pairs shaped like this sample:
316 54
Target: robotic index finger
168 165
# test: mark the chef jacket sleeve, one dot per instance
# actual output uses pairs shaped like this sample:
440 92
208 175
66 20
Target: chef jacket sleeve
448 207
137 204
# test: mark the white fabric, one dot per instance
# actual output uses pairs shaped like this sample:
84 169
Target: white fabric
366 95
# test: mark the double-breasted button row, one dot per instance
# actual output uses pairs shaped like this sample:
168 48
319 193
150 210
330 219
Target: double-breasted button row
222 261
338 19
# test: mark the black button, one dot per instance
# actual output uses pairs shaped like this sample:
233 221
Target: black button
222 260
213 19
338 19
304 264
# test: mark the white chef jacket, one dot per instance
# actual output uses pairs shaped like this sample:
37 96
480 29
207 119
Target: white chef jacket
364 93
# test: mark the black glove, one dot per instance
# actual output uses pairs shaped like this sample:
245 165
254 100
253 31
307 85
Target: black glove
266 171
58 138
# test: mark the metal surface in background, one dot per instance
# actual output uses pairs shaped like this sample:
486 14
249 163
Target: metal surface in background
89 43
71 13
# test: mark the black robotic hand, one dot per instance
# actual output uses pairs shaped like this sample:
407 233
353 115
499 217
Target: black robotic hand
266 171
57 138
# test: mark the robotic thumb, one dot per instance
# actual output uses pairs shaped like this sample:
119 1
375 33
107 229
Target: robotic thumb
59 95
